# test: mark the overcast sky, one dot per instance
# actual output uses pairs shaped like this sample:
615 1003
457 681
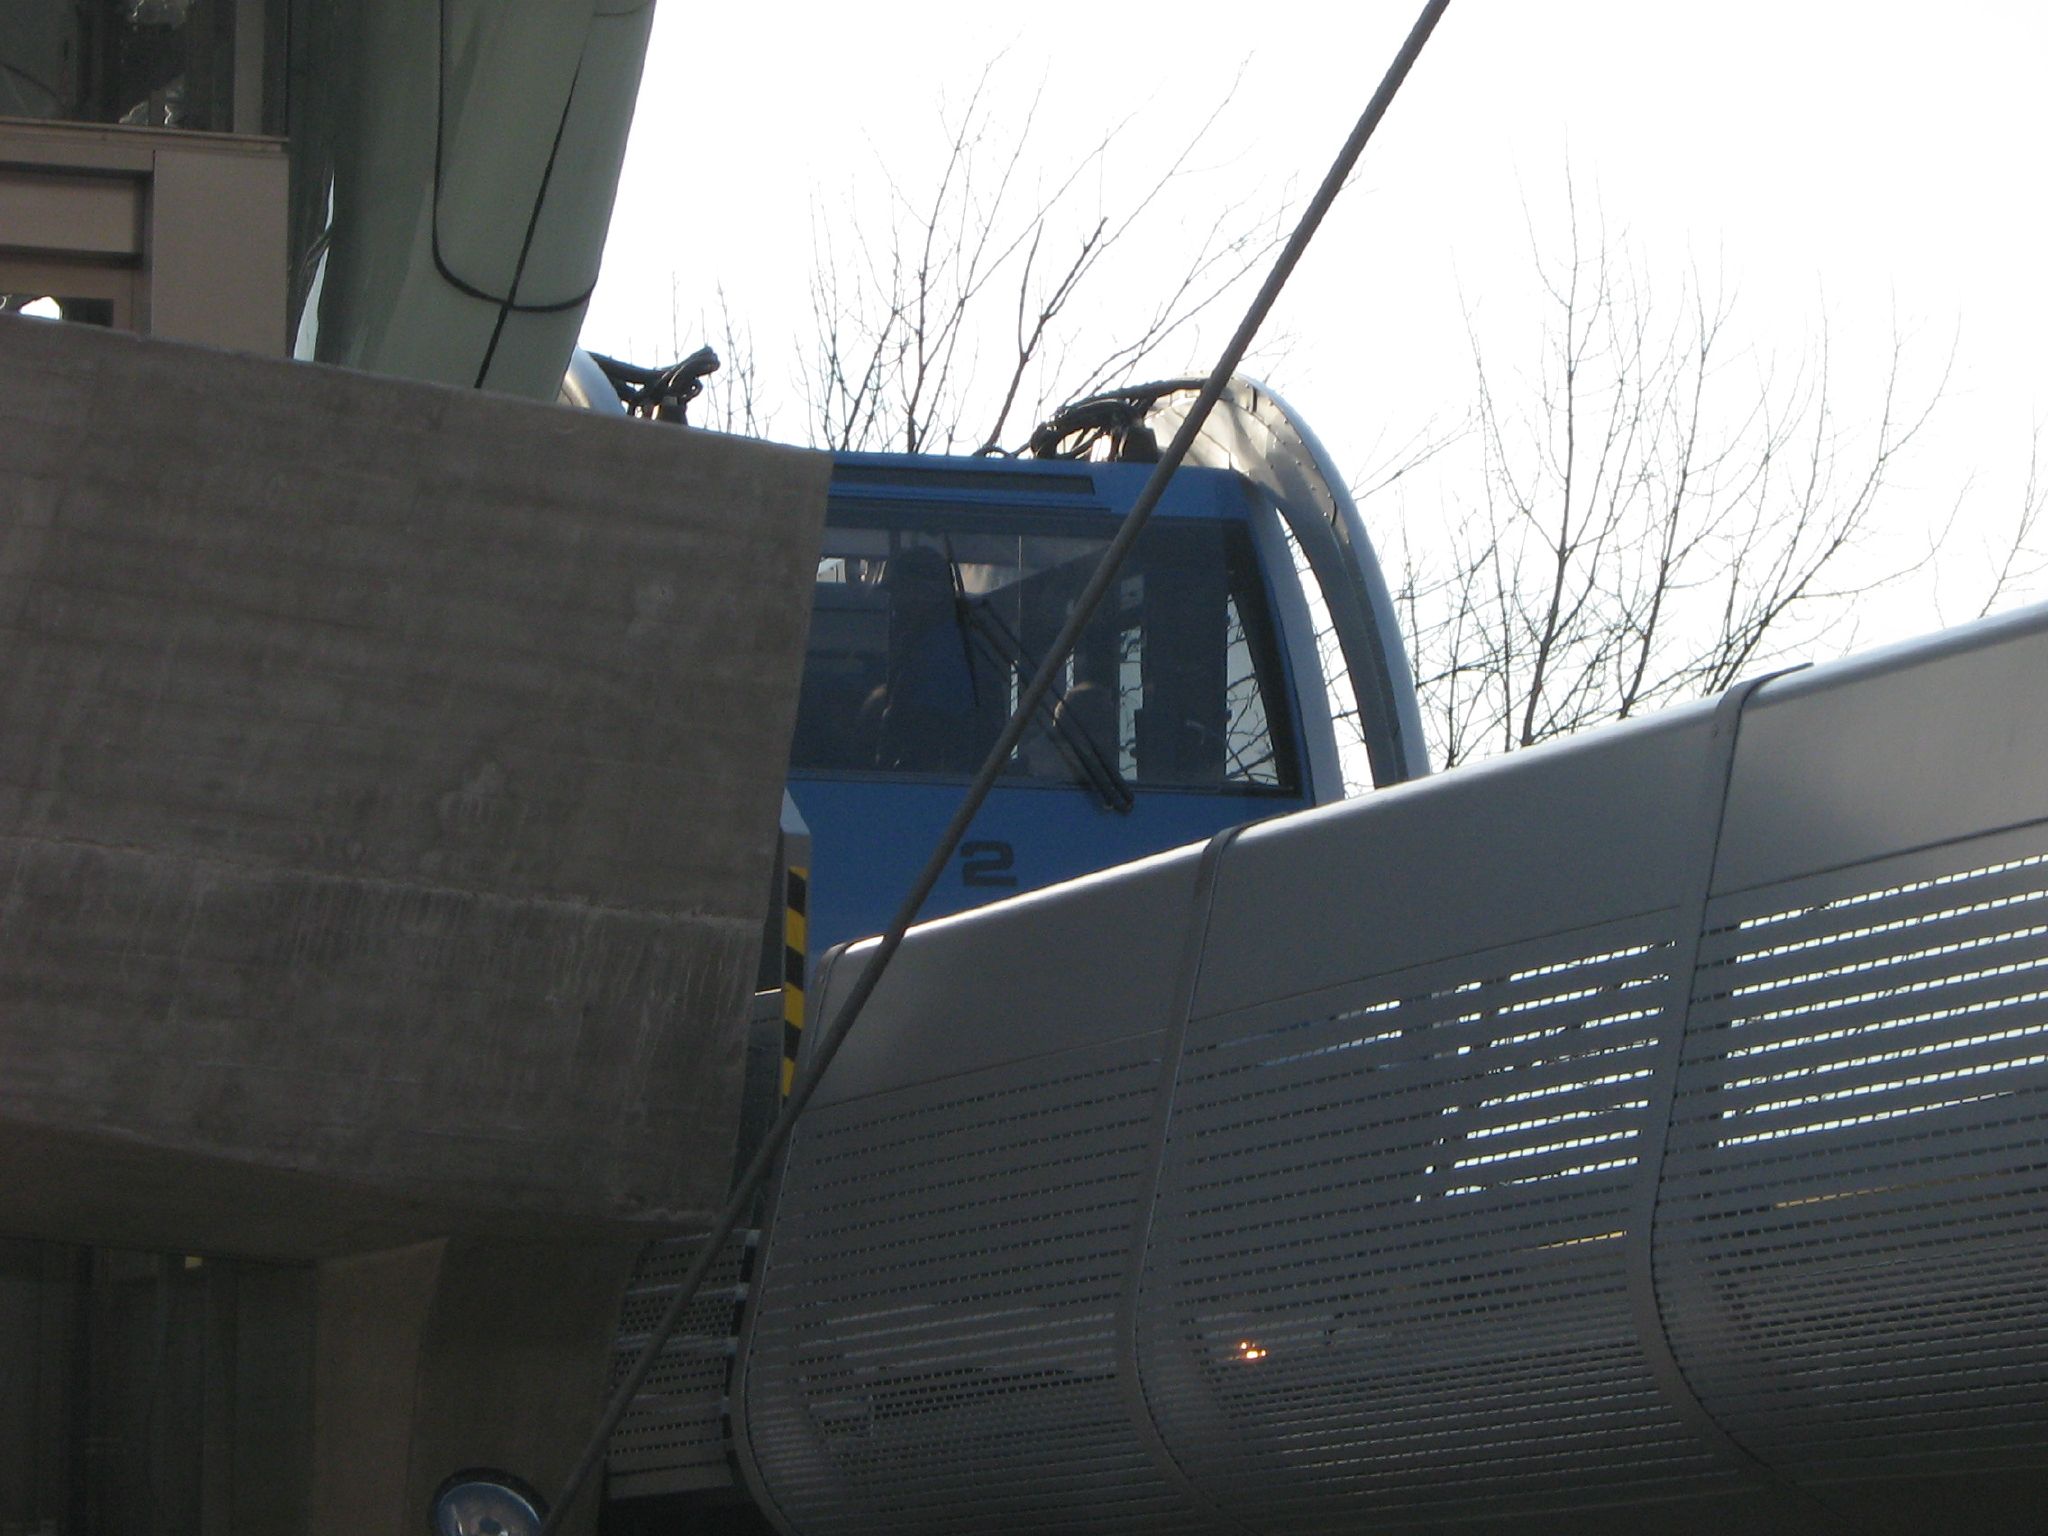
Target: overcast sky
1877 165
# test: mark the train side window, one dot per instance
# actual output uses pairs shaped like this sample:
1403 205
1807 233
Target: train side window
926 628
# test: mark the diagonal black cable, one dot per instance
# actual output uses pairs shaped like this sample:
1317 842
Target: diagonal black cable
1027 707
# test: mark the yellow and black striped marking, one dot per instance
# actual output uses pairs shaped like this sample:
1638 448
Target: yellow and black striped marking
795 894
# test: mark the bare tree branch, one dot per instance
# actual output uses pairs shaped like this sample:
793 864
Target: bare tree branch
2023 560
1643 525
906 309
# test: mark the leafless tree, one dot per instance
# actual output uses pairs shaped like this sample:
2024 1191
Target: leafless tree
1646 514
946 322
1649 516
2022 559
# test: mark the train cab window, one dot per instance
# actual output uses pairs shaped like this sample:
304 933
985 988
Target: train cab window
926 628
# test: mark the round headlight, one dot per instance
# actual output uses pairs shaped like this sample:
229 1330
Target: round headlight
485 1502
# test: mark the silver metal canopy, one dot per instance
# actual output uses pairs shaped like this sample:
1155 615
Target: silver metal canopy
1647 1131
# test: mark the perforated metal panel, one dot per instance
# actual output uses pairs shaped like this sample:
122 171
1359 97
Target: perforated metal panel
1387 1267
675 1437
1646 1134
1853 1239
953 1256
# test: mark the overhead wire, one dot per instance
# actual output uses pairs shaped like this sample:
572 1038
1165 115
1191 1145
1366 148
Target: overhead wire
1028 704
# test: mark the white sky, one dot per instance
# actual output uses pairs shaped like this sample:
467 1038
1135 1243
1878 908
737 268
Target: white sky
1854 161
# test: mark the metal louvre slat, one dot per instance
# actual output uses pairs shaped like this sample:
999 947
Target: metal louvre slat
916 1402
1934 1075
1439 1021
957 1130
1271 1216
908 1227
1559 1439
1711 1156
1052 1510
989 1276
960 1162
1421 1074
1908 1249
1016 1492
1566 1162
972 1373
1403 1040
1799 1303
878 1285
999 1447
1566 1450
1808 1371
1418 1139
1910 1206
884 1121
1365 1183
1501 1125
1845 884
1430 1486
1995 1426
1365 1458
1006 1496
2015 963
1481 1097
844 1334
1880 1390
1578 1212
1877 936
1945 1105
1370 1185
1329 1426
1435 1085
1482 1082
1055 1337
1979 1442
1859 899
1611 953
1306 1394
1438 1294
1791 1052
1963 999
1803 1322
1802 1311
1005 1193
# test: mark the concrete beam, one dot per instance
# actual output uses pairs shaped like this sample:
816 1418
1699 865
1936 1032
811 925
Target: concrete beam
388 780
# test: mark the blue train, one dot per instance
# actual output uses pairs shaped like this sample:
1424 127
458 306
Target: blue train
1245 664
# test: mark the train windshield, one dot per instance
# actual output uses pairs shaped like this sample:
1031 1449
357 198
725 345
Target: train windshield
925 629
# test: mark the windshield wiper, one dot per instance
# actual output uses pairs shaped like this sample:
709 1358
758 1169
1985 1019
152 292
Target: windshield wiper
1076 744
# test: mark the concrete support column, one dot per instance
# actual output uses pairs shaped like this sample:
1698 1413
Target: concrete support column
451 1354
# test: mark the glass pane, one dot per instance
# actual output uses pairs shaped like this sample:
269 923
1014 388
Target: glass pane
1353 758
147 63
927 627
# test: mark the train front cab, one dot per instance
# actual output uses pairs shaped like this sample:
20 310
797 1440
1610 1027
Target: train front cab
1244 664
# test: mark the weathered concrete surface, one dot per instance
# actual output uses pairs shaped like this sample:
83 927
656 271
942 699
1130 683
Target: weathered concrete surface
455 1354
148 1392
388 778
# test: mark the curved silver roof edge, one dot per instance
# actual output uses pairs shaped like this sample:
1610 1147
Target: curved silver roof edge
1256 433
586 387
